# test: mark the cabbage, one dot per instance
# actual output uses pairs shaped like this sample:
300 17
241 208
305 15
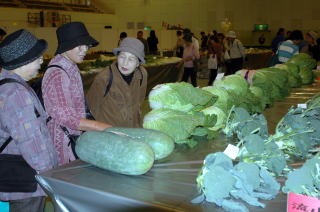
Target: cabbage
306 75
234 83
294 78
225 99
221 117
303 60
180 96
259 94
179 125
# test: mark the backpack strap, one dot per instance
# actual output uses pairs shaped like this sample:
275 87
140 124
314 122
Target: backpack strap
109 82
5 144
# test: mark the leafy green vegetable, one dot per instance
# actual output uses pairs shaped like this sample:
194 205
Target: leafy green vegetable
180 96
305 180
177 124
222 183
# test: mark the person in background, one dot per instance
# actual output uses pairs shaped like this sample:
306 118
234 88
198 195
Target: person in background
311 47
22 116
204 41
190 55
144 41
288 35
62 89
153 42
214 32
117 92
236 53
2 34
179 44
194 40
277 40
123 35
289 47
215 57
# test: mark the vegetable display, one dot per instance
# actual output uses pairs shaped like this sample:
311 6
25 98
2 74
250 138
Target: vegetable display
161 144
222 183
114 152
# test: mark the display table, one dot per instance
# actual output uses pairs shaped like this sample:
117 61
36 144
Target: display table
163 71
257 60
169 186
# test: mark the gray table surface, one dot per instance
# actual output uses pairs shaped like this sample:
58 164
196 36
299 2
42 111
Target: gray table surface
168 186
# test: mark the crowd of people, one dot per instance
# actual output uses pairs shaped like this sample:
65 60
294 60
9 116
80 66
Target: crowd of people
284 47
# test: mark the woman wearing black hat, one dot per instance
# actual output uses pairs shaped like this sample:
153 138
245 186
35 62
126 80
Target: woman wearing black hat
23 119
62 89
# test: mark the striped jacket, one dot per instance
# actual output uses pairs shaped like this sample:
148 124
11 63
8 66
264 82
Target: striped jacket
286 50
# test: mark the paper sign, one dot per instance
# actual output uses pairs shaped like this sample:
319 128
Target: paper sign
303 106
302 203
231 151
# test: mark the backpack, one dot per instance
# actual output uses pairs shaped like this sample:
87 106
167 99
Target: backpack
36 85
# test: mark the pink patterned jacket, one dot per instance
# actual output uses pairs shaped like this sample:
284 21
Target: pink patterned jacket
64 101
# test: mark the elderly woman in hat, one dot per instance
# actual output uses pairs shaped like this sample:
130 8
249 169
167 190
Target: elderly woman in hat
62 89
23 129
236 53
118 91
311 46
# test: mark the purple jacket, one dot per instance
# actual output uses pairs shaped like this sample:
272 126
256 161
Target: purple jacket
64 101
31 137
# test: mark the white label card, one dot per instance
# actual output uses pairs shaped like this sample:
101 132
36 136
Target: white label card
231 151
303 106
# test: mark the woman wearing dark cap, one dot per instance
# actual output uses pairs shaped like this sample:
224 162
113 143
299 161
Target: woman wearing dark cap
189 58
62 89
22 117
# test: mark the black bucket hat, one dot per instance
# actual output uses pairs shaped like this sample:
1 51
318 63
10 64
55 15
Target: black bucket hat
20 48
73 34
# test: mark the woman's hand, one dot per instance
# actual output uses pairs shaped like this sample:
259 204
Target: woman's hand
86 124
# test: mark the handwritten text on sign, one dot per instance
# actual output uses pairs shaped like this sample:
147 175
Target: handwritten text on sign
302 203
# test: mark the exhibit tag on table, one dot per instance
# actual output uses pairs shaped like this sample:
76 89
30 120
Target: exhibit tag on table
231 151
298 203
303 106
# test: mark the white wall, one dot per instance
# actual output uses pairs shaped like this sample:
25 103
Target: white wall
198 15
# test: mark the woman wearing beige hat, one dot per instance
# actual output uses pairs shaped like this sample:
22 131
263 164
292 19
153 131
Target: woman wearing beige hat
117 92
311 46
236 53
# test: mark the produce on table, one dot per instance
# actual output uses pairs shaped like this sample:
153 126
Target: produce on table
222 183
305 180
179 125
180 96
306 64
161 144
114 152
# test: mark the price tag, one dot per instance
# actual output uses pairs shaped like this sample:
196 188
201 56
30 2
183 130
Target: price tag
299 203
231 151
303 106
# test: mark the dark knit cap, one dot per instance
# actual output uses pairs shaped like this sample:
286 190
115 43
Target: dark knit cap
20 48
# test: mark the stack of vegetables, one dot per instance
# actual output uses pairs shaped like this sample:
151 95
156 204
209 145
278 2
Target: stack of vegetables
176 111
182 111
